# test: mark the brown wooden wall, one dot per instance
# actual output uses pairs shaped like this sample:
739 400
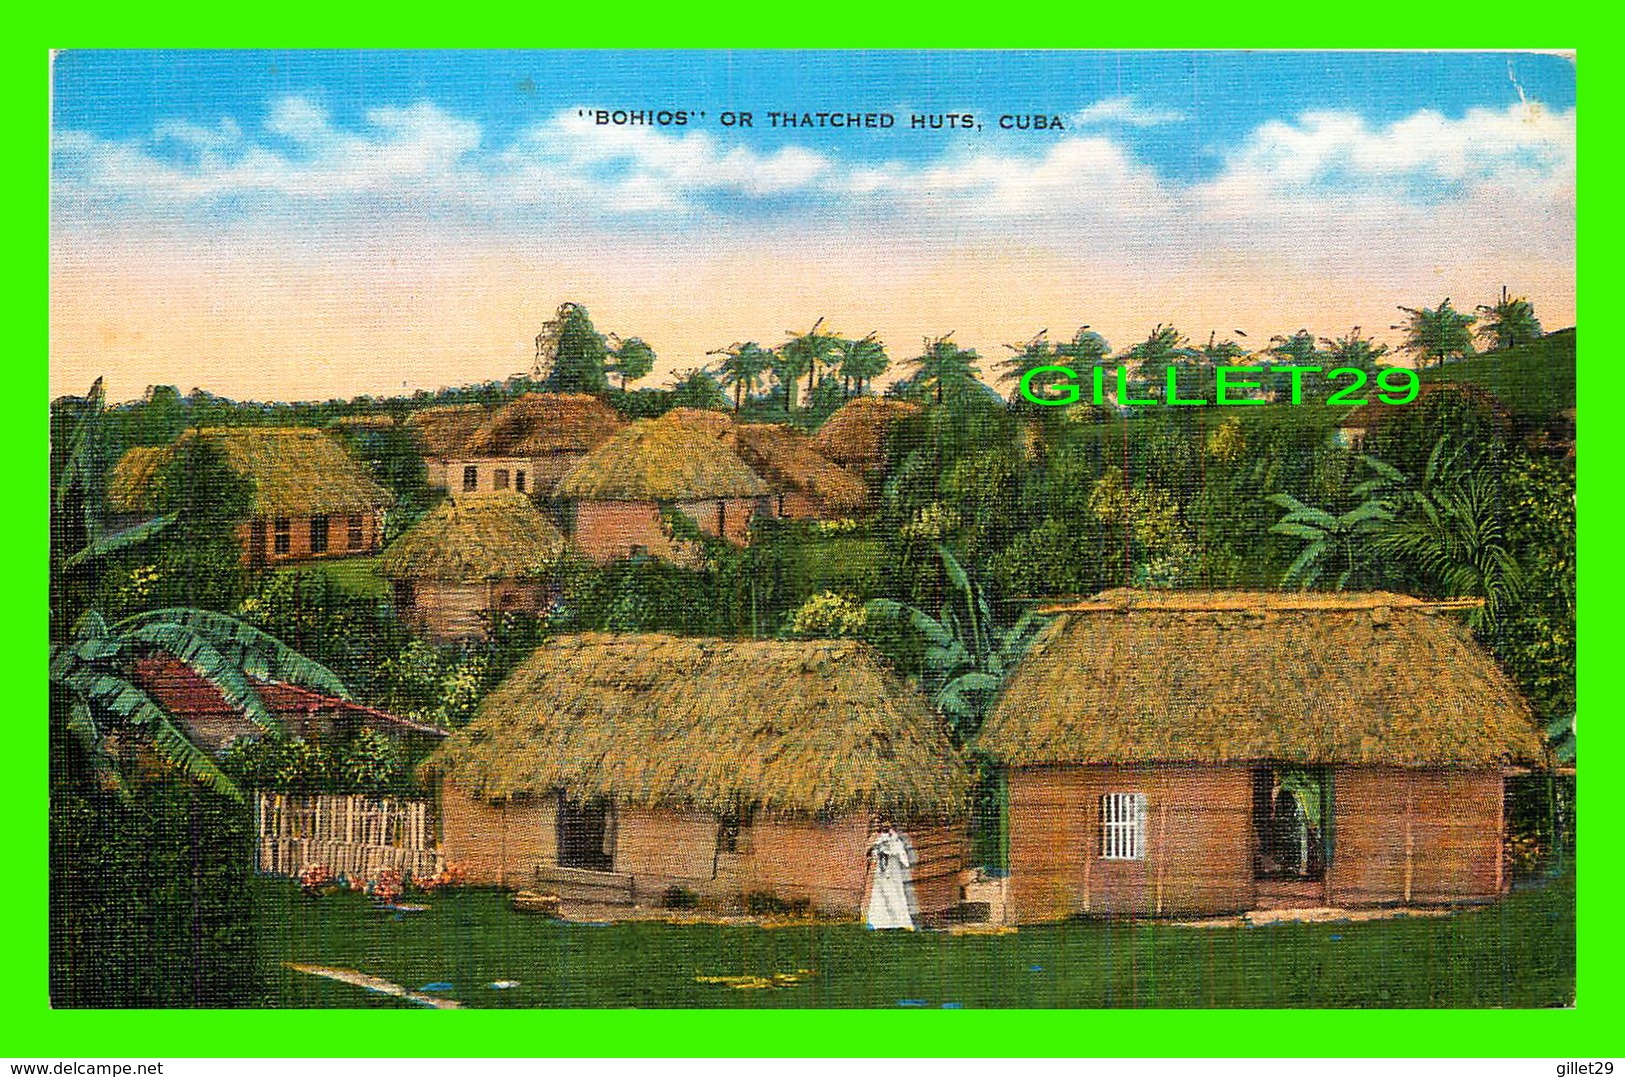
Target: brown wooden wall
1422 836
607 530
451 611
1198 833
1399 836
338 538
499 843
824 863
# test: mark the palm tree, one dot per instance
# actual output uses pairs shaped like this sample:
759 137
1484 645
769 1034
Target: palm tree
860 361
744 367
1163 348
944 369
1438 333
805 353
1453 536
1510 322
1353 350
1026 358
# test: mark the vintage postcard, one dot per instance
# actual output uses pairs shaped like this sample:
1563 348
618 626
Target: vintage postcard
812 529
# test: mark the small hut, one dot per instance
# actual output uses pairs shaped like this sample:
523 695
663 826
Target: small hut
442 435
806 484
467 557
527 445
621 768
619 491
311 498
1186 753
857 435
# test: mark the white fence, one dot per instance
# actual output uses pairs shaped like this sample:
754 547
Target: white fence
354 835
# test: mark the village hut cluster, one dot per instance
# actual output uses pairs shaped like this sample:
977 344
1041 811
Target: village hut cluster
1164 753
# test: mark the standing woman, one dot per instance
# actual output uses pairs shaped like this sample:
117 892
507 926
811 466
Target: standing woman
888 894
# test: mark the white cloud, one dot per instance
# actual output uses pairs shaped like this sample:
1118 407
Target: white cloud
1126 111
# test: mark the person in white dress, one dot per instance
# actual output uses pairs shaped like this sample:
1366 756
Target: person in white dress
889 859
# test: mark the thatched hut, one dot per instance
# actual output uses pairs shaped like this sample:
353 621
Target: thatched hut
857 435
618 768
442 435
483 554
1174 753
804 483
619 491
528 444
311 498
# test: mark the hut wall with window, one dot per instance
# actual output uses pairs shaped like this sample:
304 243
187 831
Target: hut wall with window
311 499
621 491
441 433
529 444
1182 753
624 767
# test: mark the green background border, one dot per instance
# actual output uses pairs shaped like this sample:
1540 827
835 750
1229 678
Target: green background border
32 1029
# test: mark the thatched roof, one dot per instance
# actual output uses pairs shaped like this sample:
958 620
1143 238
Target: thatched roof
663 459
709 420
538 424
296 472
444 431
493 536
787 459
791 728
856 434
1217 677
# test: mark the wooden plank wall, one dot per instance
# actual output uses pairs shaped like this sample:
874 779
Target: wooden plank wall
500 844
1415 836
1198 832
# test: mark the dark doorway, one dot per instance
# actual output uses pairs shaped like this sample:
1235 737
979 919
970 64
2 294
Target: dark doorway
1292 817
586 835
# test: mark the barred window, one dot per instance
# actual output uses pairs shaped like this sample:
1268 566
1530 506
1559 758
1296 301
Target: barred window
1122 826
471 478
283 535
355 536
318 534
519 481
499 479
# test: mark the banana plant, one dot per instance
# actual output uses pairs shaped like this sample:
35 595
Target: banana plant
967 655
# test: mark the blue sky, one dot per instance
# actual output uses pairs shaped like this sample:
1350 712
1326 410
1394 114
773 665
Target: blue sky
1196 187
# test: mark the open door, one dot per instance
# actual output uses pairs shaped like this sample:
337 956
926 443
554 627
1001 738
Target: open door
586 835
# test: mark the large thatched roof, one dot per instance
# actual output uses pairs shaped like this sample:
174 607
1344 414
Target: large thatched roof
1135 676
793 728
295 472
787 459
538 424
445 431
855 436
493 536
665 459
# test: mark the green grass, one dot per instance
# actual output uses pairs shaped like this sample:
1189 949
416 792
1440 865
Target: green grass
1518 952
354 575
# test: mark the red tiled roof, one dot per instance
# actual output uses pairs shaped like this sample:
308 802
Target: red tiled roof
177 688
